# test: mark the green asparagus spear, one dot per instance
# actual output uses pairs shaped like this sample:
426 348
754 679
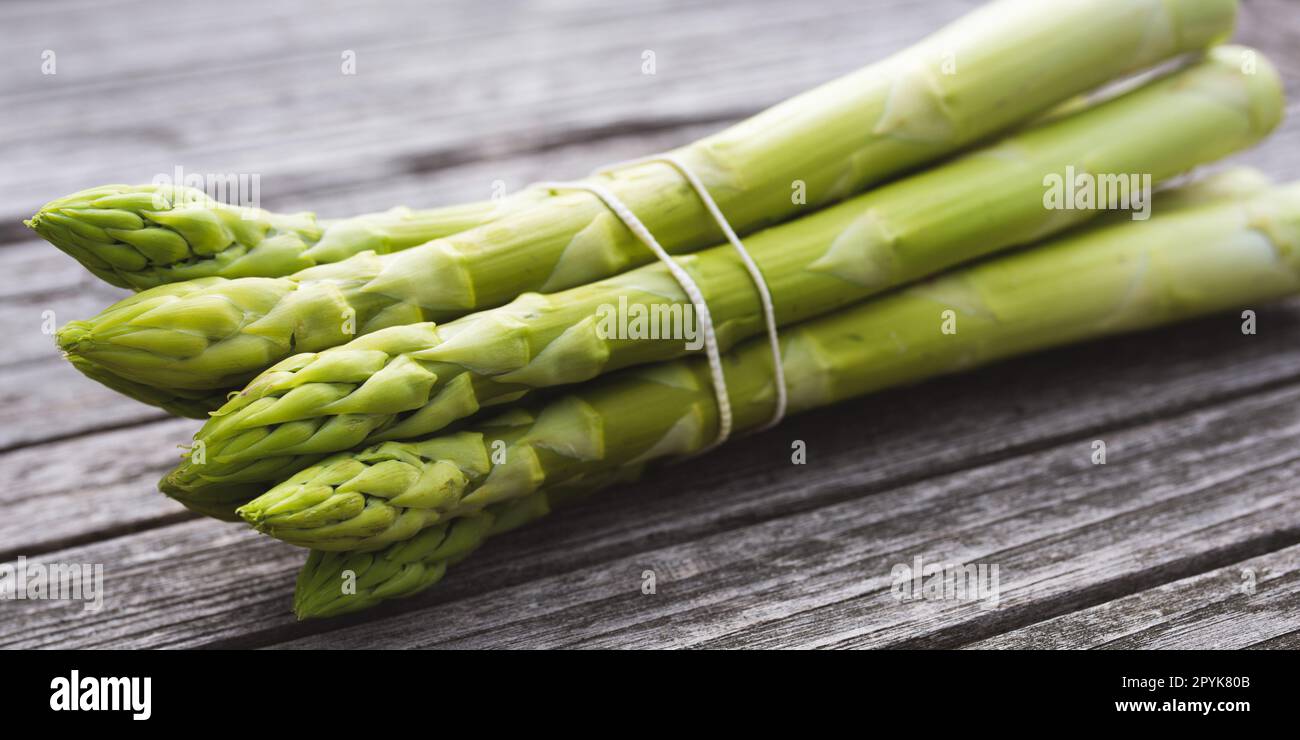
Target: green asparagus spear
334 583
1001 65
1226 184
147 235
411 381
1106 280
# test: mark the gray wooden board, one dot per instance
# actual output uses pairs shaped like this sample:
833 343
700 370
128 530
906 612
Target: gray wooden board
1204 609
502 78
749 550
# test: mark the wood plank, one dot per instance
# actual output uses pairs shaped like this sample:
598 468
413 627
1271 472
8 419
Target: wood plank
1289 641
63 493
1213 609
46 401
43 270
463 88
184 584
917 436
468 87
57 296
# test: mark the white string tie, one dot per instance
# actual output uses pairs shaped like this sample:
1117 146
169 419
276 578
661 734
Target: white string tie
692 289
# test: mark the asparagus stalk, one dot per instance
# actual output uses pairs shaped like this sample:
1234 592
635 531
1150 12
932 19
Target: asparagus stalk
1106 280
1231 183
142 236
406 568
334 583
411 381
1001 65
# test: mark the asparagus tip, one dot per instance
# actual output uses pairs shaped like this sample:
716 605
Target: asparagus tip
254 517
69 337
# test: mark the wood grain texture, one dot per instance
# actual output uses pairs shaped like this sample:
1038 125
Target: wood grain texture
186 584
1251 604
434 85
109 484
749 550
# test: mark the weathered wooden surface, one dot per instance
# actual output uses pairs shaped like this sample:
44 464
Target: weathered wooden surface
1204 609
748 550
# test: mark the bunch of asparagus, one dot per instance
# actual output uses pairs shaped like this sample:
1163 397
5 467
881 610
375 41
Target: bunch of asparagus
345 368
